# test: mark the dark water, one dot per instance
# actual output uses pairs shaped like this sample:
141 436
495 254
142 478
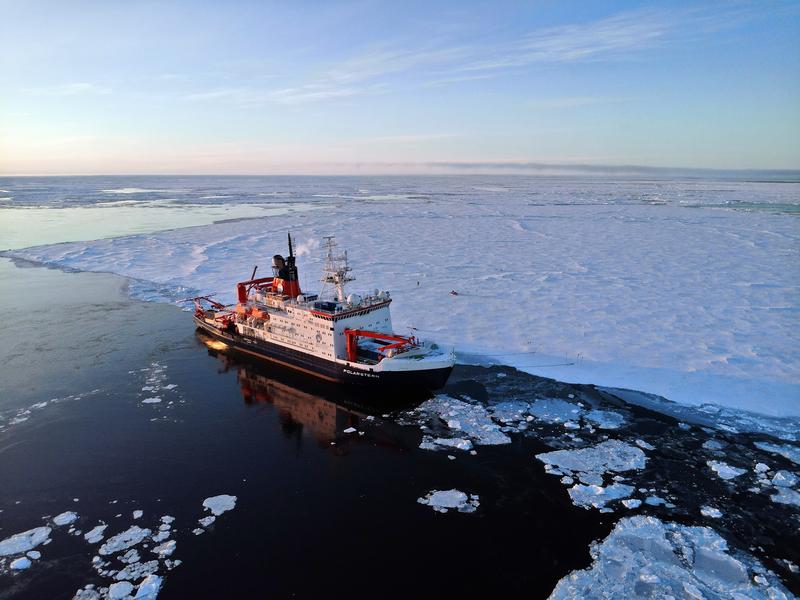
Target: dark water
311 519
319 512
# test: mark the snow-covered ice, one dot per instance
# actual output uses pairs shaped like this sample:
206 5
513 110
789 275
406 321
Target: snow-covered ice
22 542
606 304
95 534
165 549
219 504
445 500
597 496
554 410
137 514
644 557
611 455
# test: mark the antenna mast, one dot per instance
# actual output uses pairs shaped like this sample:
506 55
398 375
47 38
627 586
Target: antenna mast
336 271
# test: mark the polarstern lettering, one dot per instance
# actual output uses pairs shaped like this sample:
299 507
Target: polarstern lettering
349 372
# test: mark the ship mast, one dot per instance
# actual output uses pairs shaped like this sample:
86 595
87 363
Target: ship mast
336 271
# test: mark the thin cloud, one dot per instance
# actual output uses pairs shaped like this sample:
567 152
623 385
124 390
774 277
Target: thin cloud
69 89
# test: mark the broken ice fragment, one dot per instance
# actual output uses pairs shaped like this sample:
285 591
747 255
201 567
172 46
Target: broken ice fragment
219 504
444 500
724 470
22 542
65 518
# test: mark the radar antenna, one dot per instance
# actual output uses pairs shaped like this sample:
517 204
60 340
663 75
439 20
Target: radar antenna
336 271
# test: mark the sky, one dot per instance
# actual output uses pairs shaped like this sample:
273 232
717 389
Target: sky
393 87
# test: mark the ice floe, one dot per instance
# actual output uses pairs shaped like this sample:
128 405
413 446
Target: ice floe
554 410
219 504
724 470
467 420
149 588
20 543
786 496
605 419
710 511
644 557
65 518
120 591
445 500
122 541
20 563
589 465
787 451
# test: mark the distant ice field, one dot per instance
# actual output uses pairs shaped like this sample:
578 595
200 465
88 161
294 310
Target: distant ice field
686 289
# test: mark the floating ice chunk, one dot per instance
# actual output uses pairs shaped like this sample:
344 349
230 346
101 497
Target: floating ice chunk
632 503
429 443
444 500
137 570
785 450
34 554
349 430
170 386
761 468
137 514
149 588
509 412
597 496
724 470
553 410
165 549
786 496
120 591
167 519
655 501
206 521
784 479
710 511
20 563
153 400
713 445
87 593
645 445
472 420
198 530
131 556
124 540
22 542
611 455
605 419
220 504
161 535
644 557
65 518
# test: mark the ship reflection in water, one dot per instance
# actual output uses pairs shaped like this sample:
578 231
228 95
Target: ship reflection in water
321 409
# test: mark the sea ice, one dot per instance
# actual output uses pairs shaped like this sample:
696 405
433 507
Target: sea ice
20 563
510 412
470 420
122 541
206 521
65 518
605 419
219 504
165 549
22 542
34 554
784 479
786 496
724 470
554 410
644 557
611 455
153 400
120 591
444 500
149 588
785 450
349 430
429 443
597 496
710 511
137 514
